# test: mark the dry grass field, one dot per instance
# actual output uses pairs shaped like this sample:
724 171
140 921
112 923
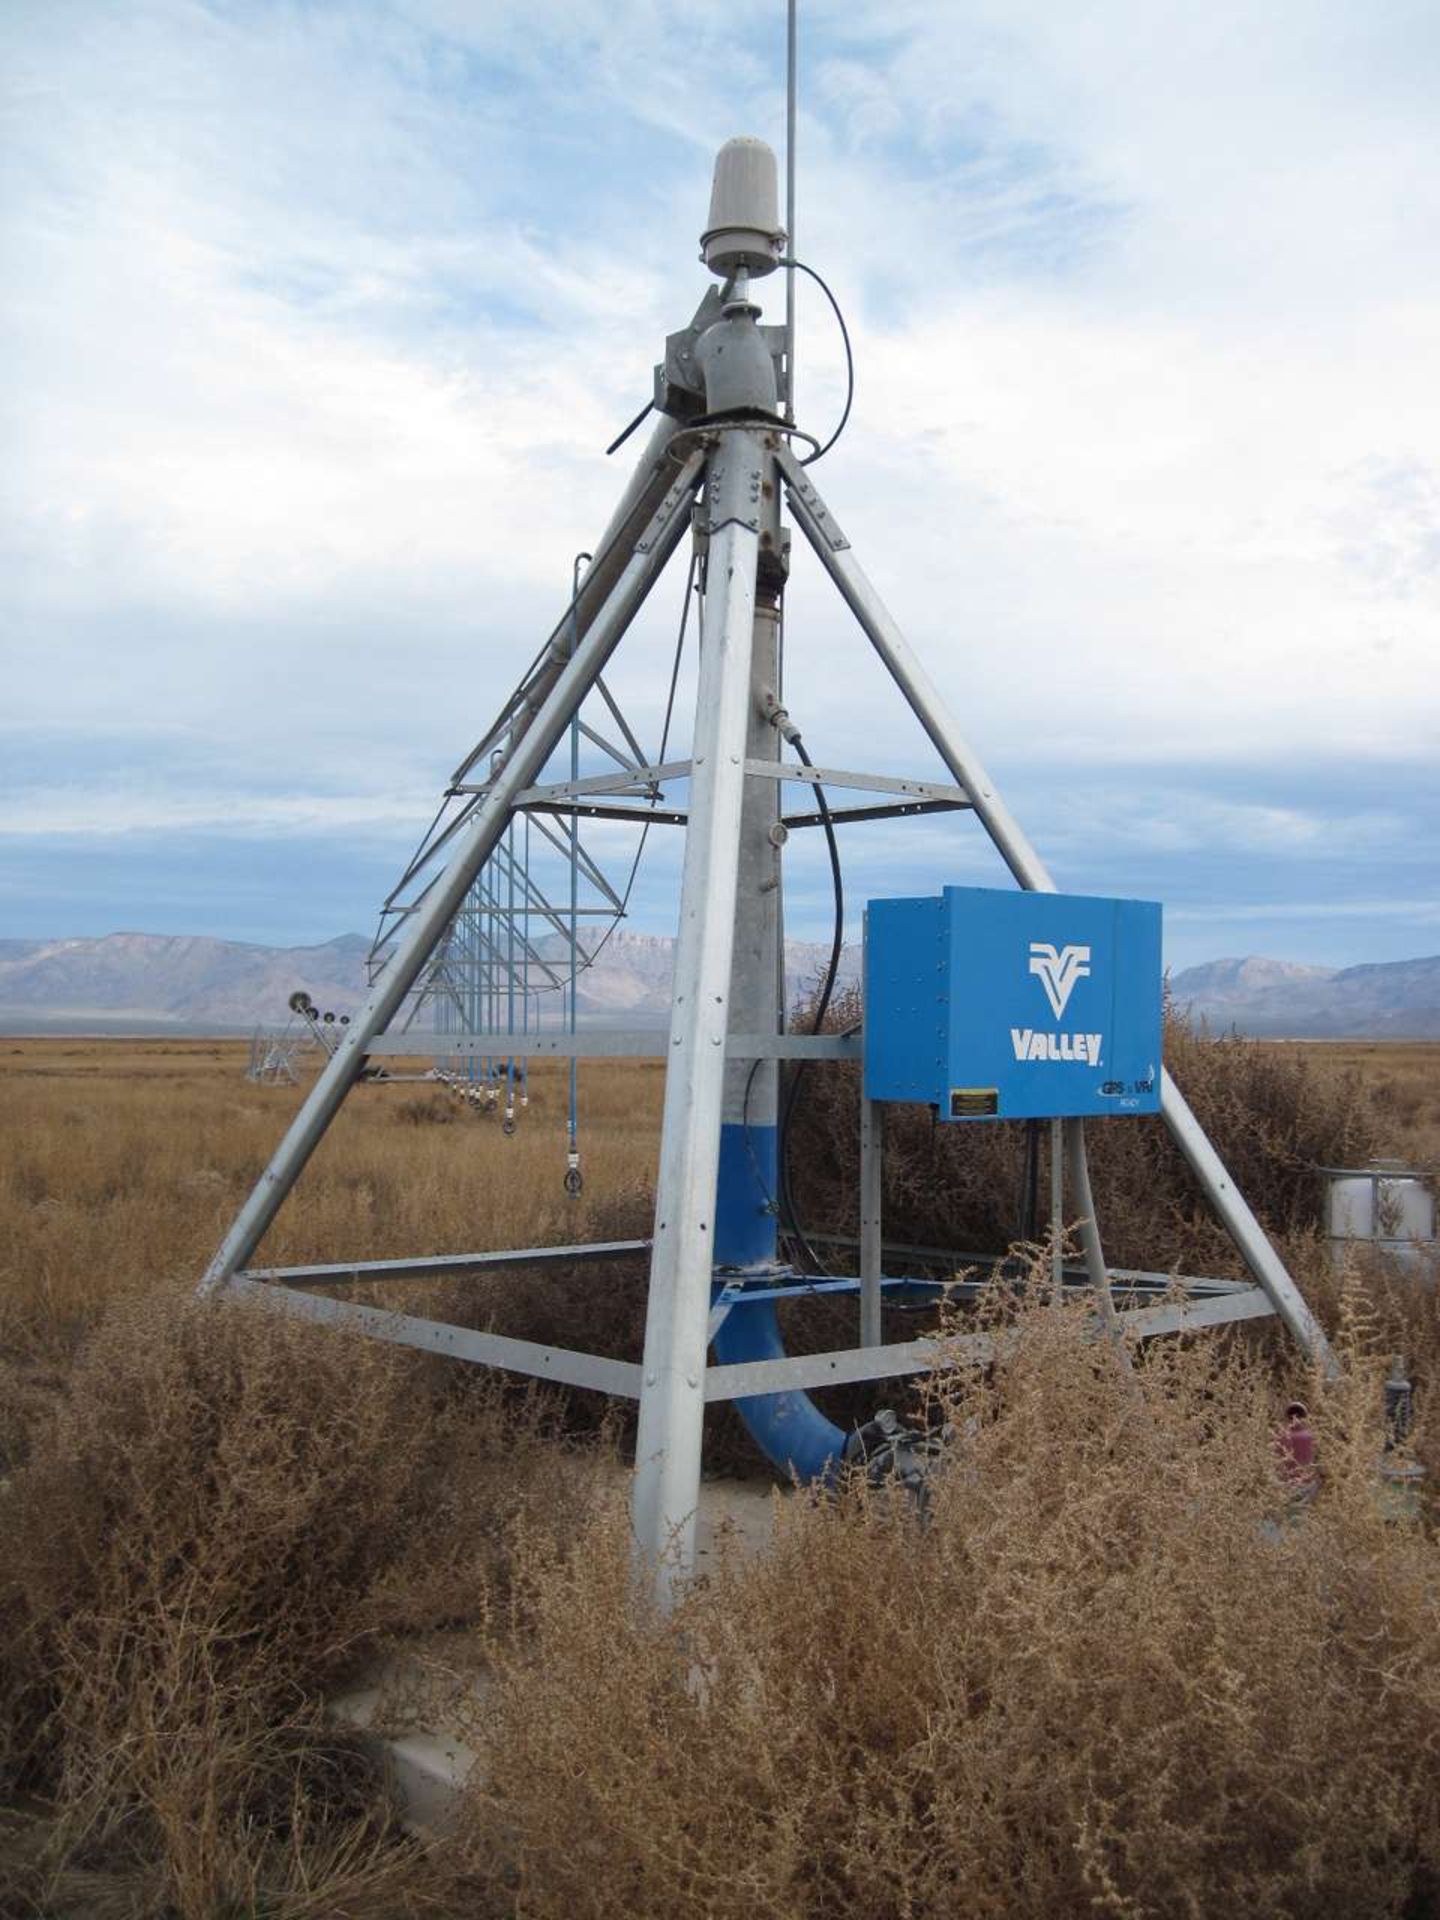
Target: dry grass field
1120 1671
1403 1078
125 1161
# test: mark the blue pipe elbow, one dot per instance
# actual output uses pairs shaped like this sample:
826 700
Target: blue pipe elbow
788 1427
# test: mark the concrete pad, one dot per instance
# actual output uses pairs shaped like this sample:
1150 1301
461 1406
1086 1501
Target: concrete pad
424 1770
735 1516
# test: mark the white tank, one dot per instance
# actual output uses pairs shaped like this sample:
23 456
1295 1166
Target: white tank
744 226
1386 1204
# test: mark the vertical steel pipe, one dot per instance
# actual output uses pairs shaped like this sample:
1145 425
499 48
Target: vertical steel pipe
1078 1168
1057 1210
745 1219
872 1163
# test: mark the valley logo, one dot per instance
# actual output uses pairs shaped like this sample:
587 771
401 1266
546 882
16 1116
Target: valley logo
1057 971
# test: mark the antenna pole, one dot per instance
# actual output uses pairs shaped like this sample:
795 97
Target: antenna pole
790 62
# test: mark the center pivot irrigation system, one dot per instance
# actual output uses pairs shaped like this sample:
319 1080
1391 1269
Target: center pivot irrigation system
999 1004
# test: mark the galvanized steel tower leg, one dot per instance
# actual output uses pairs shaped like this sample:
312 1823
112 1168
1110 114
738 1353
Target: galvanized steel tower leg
839 561
672 1398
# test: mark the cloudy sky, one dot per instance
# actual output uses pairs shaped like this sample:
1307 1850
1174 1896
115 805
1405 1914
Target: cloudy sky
319 318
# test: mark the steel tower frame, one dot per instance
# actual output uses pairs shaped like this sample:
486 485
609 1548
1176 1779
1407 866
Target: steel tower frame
719 460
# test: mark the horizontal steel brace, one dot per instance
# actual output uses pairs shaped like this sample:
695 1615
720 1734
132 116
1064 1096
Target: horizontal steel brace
644 779
926 1356
642 1043
794 1046
640 814
847 816
741 1381
816 1289
600 1375
621 1378
640 781
861 782
1182 1316
339 1272
651 1043
1078 1284
1121 1278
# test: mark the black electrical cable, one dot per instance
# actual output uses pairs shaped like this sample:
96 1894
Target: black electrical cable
838 938
821 452
625 432
785 1206
822 1006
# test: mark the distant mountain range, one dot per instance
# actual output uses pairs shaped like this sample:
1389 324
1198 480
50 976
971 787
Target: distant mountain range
148 982
158 983
179 983
1393 999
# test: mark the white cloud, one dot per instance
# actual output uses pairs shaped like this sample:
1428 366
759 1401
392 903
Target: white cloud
1411 912
320 318
1169 822
44 813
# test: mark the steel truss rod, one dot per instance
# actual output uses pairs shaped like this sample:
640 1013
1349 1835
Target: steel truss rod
636 750
597 739
533 905
562 844
835 555
484 946
657 542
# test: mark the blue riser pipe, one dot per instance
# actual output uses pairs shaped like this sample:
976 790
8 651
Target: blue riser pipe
789 1428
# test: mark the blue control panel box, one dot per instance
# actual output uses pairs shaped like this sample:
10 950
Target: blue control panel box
1014 1006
